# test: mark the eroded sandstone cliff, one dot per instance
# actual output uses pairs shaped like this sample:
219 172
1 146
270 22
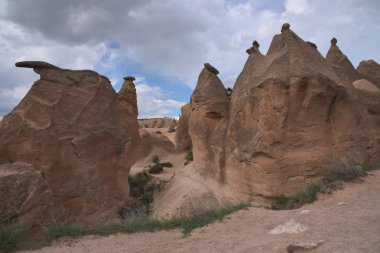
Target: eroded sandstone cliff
292 116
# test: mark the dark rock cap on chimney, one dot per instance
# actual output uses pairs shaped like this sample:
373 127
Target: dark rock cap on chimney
129 78
211 68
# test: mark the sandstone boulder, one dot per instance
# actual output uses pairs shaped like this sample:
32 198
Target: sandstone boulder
370 70
77 138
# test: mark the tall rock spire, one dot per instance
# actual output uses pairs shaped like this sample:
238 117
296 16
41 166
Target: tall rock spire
341 63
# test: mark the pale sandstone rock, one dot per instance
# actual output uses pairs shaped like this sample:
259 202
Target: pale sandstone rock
289 227
76 132
369 96
365 85
369 70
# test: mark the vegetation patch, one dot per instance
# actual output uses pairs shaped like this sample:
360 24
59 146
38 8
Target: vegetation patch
189 156
171 129
11 235
145 224
142 187
332 181
139 224
157 167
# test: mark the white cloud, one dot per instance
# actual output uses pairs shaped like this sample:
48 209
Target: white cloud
297 6
172 38
17 92
152 103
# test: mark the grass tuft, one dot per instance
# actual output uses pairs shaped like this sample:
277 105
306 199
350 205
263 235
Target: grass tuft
207 217
189 156
141 224
343 172
11 235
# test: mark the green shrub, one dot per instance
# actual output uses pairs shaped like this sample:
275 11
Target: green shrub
344 172
138 183
11 235
135 210
189 156
61 230
207 217
167 164
156 168
155 159
308 195
371 167
171 129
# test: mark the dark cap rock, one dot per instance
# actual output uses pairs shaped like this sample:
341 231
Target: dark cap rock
255 44
211 68
285 26
129 78
334 41
35 65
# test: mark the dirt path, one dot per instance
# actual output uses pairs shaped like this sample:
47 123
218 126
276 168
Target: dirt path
345 221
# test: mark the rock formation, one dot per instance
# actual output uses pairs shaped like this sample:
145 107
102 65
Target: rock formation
291 117
369 96
157 122
341 63
370 70
151 141
208 120
182 137
66 149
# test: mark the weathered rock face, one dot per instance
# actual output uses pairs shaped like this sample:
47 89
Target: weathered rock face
370 97
370 70
291 116
75 137
157 122
341 63
182 137
208 120
150 141
24 192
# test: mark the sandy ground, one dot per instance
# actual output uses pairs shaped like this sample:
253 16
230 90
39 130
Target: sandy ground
346 221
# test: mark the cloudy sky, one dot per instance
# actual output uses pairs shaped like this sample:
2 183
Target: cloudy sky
165 43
